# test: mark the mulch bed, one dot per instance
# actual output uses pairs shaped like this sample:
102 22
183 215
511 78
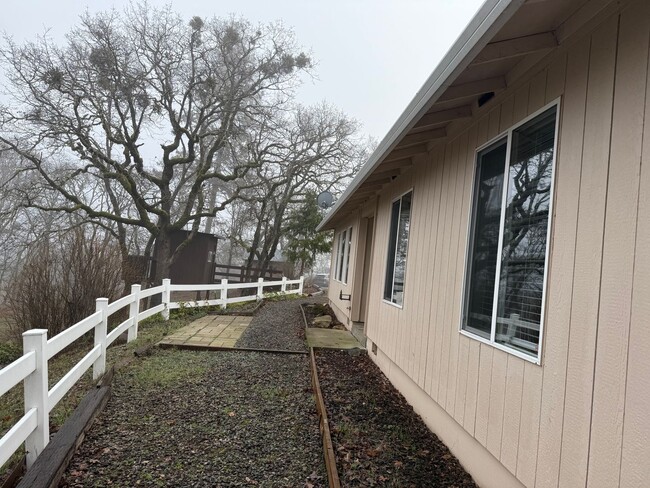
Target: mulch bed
205 419
378 439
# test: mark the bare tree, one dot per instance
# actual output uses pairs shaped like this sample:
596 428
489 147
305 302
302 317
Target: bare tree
142 103
310 150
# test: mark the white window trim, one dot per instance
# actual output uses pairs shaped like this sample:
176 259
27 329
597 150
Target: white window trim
508 134
343 249
383 299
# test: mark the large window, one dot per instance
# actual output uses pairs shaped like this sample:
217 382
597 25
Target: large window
397 249
343 245
506 267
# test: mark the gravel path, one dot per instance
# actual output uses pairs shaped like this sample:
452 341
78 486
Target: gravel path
205 419
378 439
277 325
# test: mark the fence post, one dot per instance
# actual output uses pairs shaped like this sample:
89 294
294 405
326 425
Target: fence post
224 293
99 367
134 311
302 282
35 393
284 284
165 297
260 288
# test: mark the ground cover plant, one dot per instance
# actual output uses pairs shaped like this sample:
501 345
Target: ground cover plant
378 439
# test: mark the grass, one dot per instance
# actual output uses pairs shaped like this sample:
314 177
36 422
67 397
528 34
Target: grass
150 331
165 370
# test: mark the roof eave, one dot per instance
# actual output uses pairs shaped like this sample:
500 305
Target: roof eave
489 19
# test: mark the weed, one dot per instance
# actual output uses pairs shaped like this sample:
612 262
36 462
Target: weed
9 352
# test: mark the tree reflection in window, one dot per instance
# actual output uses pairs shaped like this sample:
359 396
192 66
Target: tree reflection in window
523 256
397 249
523 184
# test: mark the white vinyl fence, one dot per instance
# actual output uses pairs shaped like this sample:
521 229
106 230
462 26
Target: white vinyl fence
33 428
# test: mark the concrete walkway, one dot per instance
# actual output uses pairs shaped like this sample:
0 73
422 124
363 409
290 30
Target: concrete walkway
331 339
209 332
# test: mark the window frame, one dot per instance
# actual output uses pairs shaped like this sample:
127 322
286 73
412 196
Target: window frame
399 197
507 135
343 251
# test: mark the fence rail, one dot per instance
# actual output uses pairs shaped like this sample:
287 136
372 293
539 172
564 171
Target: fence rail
33 428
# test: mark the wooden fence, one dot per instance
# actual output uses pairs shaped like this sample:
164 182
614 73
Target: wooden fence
33 428
238 273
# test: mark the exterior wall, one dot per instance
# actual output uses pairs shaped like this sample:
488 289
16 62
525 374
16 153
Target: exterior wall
580 419
343 308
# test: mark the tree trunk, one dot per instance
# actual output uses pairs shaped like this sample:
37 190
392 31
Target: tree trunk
162 256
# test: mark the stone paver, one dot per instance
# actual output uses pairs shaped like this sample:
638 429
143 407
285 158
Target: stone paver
209 332
331 339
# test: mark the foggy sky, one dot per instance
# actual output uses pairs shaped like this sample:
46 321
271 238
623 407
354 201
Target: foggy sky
372 55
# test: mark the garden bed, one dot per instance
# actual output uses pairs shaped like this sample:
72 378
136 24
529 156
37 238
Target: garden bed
378 439
321 315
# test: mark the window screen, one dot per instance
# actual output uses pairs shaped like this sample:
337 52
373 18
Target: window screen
523 255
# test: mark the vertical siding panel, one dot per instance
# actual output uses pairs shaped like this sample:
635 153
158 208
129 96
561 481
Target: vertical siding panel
435 280
458 255
618 248
432 251
556 78
512 413
529 431
450 257
635 468
531 395
558 308
497 399
483 394
451 170
402 325
479 368
537 93
591 213
413 271
379 268
425 186
461 380
461 388
471 390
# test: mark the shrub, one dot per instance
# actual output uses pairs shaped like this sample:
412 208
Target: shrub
61 279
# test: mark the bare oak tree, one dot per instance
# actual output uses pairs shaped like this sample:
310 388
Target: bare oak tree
144 103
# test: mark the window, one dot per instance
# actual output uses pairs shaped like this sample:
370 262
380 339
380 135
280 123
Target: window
343 245
507 255
397 249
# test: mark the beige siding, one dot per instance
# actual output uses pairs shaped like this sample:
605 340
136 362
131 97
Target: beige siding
343 308
580 419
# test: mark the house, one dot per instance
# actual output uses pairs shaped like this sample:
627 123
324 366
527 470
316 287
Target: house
496 246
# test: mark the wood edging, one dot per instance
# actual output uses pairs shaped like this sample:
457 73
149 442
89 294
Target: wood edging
328 447
48 469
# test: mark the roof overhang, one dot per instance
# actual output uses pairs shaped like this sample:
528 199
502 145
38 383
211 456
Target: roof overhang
499 44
